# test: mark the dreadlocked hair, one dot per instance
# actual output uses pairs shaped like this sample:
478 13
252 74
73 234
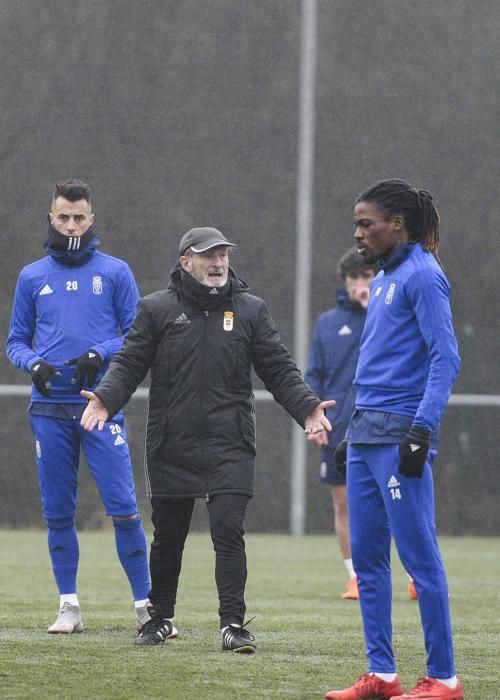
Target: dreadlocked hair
415 206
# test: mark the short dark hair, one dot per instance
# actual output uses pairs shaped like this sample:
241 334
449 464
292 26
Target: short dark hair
397 197
72 190
351 264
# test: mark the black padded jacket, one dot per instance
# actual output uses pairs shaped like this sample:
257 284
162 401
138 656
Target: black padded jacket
200 349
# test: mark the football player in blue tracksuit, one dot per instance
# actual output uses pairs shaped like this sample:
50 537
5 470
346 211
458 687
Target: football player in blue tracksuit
407 365
330 372
70 313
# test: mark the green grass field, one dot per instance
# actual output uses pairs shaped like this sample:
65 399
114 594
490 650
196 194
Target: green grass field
309 640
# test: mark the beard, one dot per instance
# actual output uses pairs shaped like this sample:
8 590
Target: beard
369 258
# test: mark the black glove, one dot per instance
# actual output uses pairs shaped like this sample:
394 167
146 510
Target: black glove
413 450
41 373
87 368
340 457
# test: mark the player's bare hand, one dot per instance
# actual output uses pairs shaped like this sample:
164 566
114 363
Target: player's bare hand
96 412
316 421
319 439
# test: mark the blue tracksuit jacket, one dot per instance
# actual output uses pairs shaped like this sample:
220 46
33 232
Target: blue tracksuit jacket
333 358
408 356
60 311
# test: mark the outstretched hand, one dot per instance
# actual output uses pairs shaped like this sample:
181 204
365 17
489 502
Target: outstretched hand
96 412
316 421
319 439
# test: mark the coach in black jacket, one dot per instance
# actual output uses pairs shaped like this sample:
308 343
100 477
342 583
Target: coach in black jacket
200 338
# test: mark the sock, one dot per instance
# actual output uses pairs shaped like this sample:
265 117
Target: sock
387 677
132 553
233 624
141 603
349 568
448 682
70 598
64 552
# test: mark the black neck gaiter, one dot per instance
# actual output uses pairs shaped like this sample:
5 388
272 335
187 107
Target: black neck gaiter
71 250
201 294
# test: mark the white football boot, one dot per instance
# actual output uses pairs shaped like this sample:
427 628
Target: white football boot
69 619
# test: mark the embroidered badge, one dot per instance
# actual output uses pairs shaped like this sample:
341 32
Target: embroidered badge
97 285
228 320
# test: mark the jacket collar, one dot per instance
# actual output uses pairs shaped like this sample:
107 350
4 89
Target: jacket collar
201 295
399 256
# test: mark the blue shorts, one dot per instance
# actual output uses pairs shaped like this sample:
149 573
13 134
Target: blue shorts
327 470
58 442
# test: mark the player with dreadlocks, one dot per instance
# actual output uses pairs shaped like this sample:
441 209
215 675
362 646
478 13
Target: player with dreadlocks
407 365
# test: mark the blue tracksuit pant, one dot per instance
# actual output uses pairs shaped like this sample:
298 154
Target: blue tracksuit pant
58 444
383 503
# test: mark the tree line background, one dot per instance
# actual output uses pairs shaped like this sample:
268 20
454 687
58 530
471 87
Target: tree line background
182 113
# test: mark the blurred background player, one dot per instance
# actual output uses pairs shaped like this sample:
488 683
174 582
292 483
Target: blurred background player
71 310
330 373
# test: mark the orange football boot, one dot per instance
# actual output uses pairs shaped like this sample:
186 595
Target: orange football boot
412 591
351 592
432 689
369 687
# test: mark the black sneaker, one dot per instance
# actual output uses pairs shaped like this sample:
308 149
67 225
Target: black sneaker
238 639
156 630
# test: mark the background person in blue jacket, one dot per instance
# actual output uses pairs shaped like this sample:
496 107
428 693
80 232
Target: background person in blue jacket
71 311
407 365
330 373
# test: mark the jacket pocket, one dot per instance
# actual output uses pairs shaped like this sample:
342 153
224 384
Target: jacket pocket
247 430
156 433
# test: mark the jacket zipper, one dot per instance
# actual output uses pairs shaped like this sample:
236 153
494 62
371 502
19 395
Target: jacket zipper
203 384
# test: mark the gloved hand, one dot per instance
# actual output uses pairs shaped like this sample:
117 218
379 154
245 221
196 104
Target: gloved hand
413 450
340 457
41 373
87 368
